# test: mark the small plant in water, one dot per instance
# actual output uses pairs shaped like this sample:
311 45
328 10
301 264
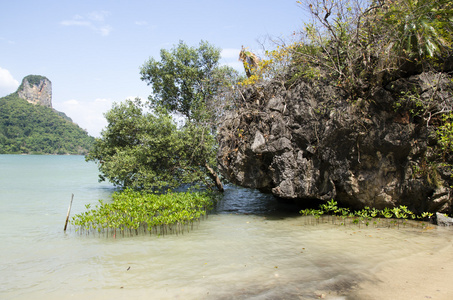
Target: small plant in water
394 217
132 213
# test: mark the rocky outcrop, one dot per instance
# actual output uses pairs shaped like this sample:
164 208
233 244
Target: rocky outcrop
36 90
309 142
443 220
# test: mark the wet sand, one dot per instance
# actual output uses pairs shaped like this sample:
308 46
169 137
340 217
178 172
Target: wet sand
427 275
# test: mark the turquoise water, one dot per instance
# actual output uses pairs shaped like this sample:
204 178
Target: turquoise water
35 192
39 188
250 247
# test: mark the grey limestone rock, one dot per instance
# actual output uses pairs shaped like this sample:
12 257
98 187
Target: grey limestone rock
443 220
36 91
310 142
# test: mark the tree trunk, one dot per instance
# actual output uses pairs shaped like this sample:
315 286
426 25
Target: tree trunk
215 178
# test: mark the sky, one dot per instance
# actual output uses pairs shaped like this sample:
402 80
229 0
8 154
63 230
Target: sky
92 50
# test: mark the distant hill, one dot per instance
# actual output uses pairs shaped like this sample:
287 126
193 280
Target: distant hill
28 124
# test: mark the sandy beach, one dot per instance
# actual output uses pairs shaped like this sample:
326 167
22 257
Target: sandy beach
427 275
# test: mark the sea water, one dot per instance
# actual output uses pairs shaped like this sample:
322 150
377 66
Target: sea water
250 247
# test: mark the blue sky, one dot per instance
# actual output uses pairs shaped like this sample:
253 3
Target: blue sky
92 50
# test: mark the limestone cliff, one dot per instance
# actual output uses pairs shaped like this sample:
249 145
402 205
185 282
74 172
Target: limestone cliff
37 90
308 141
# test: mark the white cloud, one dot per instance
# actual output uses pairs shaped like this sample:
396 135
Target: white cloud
88 115
94 21
72 102
104 30
98 16
8 84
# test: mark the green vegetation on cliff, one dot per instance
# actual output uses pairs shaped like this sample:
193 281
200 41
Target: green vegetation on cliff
32 80
35 129
360 46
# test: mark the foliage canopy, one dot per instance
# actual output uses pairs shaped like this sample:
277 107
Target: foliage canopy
144 150
187 80
147 150
361 44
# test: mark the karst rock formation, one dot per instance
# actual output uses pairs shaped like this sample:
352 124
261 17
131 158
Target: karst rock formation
37 90
308 142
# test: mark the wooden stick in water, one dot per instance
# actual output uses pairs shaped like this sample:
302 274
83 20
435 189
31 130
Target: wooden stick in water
69 210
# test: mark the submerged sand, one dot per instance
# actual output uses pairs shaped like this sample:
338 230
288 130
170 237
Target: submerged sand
427 275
